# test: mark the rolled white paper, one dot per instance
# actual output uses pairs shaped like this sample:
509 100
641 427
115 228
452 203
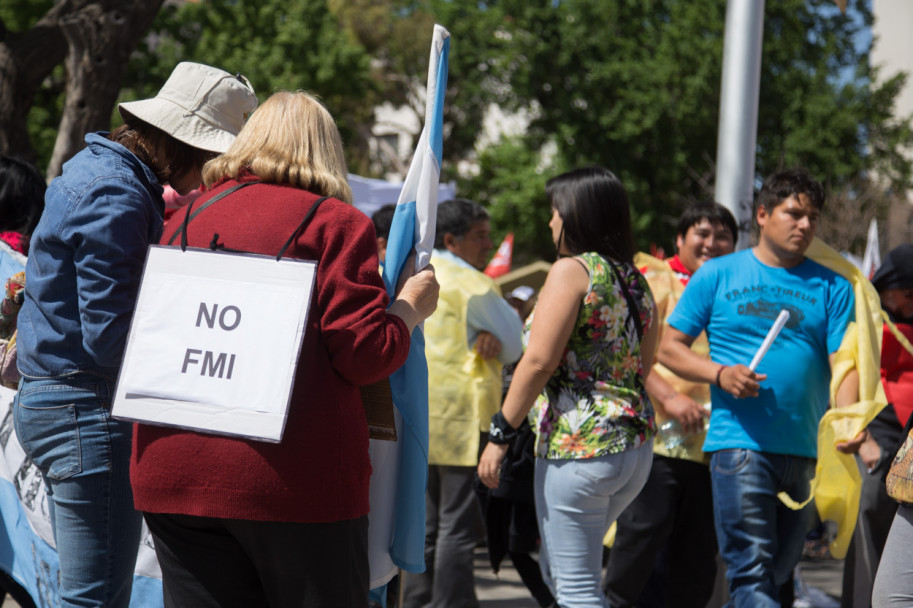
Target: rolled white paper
782 318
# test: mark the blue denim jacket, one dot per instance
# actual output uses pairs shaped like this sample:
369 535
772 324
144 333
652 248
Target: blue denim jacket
85 262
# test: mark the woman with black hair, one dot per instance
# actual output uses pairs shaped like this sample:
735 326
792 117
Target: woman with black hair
21 203
590 341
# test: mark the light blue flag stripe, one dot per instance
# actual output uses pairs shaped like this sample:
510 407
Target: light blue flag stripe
413 228
436 128
400 242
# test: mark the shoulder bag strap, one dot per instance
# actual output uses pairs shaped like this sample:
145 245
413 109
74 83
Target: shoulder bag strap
301 226
633 310
189 216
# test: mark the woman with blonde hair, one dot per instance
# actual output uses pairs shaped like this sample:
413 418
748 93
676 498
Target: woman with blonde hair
244 523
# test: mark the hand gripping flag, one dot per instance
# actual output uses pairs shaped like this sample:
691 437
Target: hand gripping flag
397 522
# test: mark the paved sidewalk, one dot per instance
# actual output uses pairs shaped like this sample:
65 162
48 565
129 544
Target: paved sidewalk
823 577
507 591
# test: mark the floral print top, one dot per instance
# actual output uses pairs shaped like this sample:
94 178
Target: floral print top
595 403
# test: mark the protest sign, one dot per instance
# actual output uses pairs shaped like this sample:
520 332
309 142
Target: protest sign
214 342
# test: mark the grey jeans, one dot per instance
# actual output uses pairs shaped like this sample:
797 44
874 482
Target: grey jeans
894 581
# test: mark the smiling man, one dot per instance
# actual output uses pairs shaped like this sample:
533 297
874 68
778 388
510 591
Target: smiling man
764 425
666 535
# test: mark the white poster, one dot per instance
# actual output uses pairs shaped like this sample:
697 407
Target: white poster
214 342
28 553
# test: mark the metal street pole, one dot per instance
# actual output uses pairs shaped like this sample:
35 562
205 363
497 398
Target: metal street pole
738 127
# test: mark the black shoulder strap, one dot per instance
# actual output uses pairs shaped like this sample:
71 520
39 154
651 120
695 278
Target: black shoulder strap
189 216
633 310
214 243
301 226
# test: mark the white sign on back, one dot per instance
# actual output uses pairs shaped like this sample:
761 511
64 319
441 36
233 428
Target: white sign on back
214 342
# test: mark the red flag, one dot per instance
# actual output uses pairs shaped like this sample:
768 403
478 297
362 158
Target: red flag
500 264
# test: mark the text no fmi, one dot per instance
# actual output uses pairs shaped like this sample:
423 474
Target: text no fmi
214 364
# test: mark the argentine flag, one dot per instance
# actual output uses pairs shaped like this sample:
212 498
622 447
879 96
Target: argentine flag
397 520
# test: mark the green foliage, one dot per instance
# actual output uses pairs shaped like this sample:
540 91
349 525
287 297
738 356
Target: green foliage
819 105
634 85
397 34
44 119
20 15
480 55
287 45
511 184
628 84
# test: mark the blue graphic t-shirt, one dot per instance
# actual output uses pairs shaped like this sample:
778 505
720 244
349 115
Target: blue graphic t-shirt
736 299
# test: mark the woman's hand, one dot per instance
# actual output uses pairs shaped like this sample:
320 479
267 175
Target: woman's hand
490 464
416 297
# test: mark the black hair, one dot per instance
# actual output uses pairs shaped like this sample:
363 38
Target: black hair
456 217
595 212
711 211
382 219
21 195
785 184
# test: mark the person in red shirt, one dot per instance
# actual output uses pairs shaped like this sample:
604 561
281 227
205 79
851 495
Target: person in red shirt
883 436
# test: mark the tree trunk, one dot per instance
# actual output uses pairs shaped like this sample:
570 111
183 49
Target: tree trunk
96 38
100 40
25 61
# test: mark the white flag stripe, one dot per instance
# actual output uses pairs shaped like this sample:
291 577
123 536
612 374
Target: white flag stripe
398 537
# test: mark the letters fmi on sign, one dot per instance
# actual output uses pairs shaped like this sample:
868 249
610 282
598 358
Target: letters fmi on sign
180 368
212 363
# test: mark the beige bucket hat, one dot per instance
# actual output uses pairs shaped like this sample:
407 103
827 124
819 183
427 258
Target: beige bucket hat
202 106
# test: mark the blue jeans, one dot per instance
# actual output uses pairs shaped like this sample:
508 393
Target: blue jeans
576 502
65 427
760 538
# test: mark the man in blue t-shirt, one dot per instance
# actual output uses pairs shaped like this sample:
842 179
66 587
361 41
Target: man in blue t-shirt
764 424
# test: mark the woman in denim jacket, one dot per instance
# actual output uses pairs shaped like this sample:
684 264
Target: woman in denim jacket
83 274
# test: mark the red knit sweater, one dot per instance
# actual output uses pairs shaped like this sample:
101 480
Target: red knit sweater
320 470
897 372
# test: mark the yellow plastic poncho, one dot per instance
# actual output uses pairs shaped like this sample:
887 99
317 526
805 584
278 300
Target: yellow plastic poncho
464 390
667 291
837 482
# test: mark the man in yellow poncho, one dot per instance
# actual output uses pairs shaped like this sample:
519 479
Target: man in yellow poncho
473 331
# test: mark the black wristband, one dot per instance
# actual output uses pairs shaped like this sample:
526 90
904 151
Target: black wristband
500 432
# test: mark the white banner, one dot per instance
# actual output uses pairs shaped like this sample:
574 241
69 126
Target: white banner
27 549
214 342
